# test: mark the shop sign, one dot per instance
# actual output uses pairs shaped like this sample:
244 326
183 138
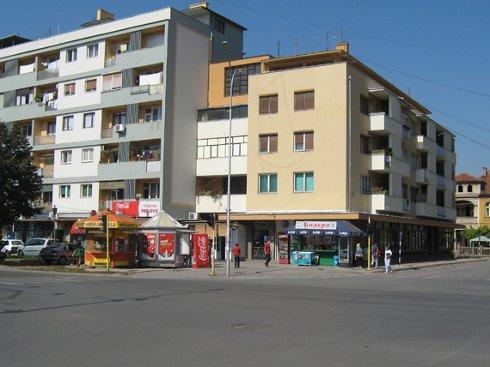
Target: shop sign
148 208
316 225
166 245
200 244
129 208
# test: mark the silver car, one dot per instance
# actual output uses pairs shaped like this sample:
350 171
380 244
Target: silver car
12 247
34 246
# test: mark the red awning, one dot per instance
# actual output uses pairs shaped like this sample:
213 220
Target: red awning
74 230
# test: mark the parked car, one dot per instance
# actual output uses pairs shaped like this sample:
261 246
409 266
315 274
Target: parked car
13 247
34 246
3 255
59 253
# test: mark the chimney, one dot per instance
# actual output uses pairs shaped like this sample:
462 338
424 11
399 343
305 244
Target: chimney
485 170
201 4
103 15
342 46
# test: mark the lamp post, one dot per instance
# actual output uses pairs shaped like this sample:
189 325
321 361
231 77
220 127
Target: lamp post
228 193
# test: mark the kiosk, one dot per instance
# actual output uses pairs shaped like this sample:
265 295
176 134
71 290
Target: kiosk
121 239
166 243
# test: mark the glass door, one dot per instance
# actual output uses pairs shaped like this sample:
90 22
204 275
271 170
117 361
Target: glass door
344 250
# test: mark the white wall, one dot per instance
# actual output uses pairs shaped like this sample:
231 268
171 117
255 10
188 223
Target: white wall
76 168
78 133
76 204
82 63
80 98
219 129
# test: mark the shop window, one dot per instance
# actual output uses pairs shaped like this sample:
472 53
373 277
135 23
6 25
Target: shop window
267 183
65 191
304 100
268 104
303 141
151 190
303 182
86 191
69 89
268 143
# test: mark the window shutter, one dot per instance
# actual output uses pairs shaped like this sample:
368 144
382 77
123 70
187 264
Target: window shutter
309 100
263 144
263 105
298 101
273 100
309 141
273 144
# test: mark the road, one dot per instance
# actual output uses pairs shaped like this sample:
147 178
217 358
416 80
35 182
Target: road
429 317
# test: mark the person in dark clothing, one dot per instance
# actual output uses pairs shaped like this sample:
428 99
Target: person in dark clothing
236 255
267 252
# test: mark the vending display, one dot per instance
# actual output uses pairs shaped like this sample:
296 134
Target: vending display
283 249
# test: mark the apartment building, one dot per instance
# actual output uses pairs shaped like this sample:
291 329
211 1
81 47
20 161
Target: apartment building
472 202
329 139
110 111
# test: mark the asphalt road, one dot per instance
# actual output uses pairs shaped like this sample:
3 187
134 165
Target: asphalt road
429 317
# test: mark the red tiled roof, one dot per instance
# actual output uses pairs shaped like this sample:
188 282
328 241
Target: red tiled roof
486 179
465 177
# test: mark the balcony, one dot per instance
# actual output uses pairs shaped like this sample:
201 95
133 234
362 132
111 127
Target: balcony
132 59
132 95
29 111
388 203
441 152
129 170
424 144
422 176
208 204
219 166
433 211
46 171
380 123
137 131
383 163
441 181
44 140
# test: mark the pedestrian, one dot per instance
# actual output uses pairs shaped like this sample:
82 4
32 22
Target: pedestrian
267 252
236 255
388 255
78 253
359 256
374 255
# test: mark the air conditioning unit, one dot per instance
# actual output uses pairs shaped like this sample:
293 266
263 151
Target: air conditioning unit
193 216
119 128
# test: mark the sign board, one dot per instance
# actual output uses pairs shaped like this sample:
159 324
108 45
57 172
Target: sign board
166 246
316 225
148 208
129 208
200 244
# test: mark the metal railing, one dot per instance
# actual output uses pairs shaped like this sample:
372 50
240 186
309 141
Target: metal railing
471 251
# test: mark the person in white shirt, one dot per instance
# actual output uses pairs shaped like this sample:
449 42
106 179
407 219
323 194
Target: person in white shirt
388 255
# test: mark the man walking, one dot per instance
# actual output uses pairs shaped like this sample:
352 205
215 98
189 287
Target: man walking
267 252
236 255
374 255
388 255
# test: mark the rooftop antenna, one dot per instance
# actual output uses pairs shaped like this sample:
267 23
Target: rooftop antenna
278 48
295 45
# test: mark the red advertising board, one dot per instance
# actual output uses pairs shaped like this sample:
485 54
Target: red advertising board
166 244
129 208
150 250
200 244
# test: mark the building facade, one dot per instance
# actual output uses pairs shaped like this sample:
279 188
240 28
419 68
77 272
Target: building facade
110 110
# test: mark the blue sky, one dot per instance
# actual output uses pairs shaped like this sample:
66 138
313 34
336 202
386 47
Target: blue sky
457 26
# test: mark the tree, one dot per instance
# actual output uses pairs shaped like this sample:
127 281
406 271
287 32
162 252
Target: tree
472 232
20 185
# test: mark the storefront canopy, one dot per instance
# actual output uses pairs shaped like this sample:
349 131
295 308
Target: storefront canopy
74 230
480 239
163 220
341 228
115 221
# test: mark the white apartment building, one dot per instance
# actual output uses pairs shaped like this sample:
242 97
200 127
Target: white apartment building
110 110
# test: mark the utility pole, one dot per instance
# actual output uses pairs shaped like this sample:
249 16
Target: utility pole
369 242
400 248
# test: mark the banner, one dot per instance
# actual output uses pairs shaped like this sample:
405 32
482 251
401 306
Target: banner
200 246
166 245
129 208
150 249
318 225
148 208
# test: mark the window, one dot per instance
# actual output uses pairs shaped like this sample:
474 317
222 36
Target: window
71 55
117 194
87 155
92 51
365 185
469 188
151 190
213 114
240 83
303 182
69 89
238 185
119 118
86 191
219 25
27 130
268 143
65 191
153 114
487 210
267 183
112 81
268 104
303 141
66 157
88 120
68 123
460 188
364 105
304 100
91 85
365 144
51 127
218 147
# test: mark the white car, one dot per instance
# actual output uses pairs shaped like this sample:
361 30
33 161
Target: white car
12 247
34 246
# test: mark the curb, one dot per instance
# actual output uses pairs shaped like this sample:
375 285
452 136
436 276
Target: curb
422 265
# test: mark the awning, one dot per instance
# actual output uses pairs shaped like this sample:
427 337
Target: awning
74 230
480 239
342 228
115 221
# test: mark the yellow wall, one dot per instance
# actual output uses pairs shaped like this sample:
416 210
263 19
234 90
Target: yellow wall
484 220
216 93
328 120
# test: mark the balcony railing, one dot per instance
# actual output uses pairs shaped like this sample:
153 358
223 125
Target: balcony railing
46 171
106 133
42 140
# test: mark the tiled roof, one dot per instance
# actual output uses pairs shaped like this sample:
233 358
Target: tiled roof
465 177
486 179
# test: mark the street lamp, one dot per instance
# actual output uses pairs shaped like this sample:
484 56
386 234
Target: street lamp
228 194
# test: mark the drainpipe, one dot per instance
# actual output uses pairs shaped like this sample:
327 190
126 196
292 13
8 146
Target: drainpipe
349 145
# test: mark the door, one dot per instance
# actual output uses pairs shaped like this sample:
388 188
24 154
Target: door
344 250
34 246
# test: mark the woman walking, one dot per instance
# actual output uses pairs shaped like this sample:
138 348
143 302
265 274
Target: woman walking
388 255
359 255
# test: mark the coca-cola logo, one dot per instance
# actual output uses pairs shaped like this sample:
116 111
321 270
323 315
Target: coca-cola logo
201 244
123 205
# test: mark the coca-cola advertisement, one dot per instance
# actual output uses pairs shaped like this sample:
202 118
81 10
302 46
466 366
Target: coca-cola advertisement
200 244
129 208
150 248
166 246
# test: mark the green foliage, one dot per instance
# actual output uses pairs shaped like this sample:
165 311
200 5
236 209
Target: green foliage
470 233
20 185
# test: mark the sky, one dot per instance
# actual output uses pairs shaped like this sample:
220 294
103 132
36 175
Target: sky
437 51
